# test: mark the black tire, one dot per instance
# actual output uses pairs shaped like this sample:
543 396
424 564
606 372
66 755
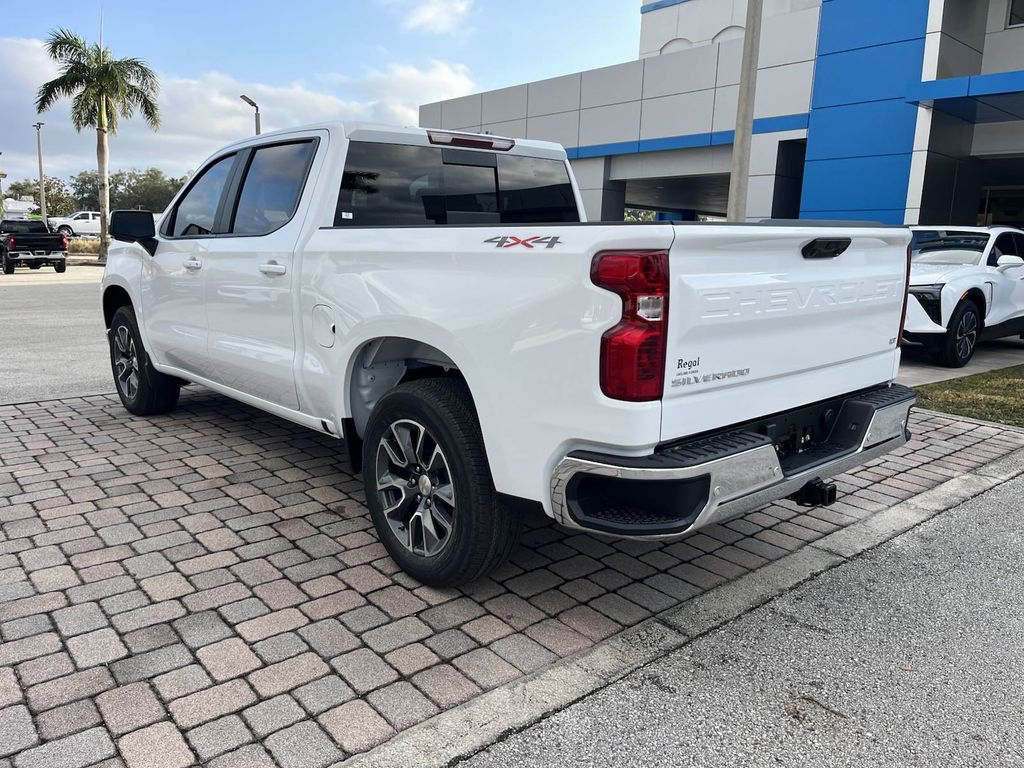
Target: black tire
481 529
962 335
8 265
34 265
60 266
143 390
66 230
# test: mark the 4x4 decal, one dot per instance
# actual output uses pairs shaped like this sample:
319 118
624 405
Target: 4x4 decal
510 241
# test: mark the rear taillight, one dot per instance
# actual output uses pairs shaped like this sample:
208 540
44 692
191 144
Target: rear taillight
10 242
633 352
63 241
906 296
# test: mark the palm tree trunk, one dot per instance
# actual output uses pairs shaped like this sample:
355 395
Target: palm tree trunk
103 163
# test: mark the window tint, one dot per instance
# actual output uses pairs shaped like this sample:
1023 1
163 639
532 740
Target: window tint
1016 13
391 185
197 210
535 190
26 227
271 188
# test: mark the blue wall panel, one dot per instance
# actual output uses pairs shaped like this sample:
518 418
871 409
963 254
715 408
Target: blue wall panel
864 23
858 183
851 130
861 133
867 74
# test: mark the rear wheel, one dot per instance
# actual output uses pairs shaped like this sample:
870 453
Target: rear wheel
60 266
8 265
429 488
962 336
143 390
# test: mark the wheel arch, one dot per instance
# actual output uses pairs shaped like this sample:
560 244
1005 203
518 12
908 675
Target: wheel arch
977 296
114 297
380 364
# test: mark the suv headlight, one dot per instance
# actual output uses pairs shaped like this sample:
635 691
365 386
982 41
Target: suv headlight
930 299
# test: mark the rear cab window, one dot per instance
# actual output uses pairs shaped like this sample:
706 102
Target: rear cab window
406 185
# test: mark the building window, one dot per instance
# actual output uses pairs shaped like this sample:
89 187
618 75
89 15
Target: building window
1016 13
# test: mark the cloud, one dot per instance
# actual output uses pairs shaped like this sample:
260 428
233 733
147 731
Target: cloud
203 113
438 17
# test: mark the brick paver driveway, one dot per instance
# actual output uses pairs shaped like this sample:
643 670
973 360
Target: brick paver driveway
207 587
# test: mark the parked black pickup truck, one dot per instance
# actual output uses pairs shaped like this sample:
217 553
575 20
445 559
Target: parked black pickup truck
31 244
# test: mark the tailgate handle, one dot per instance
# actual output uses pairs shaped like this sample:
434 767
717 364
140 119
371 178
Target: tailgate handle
826 248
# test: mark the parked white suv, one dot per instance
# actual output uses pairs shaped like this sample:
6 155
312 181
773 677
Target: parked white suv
77 223
436 299
966 285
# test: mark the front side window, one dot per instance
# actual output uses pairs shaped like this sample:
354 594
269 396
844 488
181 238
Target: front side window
196 212
272 186
1016 13
393 185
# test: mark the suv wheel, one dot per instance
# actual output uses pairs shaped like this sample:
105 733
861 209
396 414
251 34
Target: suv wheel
962 337
429 488
143 390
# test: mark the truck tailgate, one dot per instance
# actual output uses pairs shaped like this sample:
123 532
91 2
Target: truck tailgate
756 327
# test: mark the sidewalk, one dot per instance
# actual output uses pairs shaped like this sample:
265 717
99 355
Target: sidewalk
906 656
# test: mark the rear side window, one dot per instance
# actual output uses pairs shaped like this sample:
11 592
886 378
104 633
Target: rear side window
29 227
272 187
196 212
395 185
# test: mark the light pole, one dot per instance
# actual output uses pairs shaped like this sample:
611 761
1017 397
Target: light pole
255 106
42 179
740 175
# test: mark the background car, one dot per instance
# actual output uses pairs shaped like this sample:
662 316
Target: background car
966 285
77 223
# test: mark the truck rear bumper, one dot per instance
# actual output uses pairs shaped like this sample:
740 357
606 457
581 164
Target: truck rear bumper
689 485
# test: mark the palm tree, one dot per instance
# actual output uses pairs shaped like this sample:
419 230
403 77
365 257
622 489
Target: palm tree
101 89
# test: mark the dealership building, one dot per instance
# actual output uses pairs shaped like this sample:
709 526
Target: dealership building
900 111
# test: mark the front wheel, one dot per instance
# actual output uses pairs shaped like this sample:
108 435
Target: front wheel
962 337
66 231
143 390
429 487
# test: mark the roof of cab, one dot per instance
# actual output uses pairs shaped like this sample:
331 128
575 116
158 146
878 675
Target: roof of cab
378 132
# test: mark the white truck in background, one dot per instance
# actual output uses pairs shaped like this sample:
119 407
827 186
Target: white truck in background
437 300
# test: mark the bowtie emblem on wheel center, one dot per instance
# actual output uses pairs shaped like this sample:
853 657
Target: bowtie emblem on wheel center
425 486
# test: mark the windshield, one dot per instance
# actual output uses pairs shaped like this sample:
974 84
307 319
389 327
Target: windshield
939 246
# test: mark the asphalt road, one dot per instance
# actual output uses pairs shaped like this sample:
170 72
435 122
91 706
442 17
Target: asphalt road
908 656
54 344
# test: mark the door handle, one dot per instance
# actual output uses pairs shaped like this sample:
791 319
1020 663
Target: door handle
192 264
273 268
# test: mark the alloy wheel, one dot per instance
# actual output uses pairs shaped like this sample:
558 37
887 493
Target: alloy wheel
966 335
126 361
415 487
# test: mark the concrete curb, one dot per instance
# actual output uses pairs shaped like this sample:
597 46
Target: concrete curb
459 733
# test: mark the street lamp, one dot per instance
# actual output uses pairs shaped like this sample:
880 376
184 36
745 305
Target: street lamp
255 106
42 182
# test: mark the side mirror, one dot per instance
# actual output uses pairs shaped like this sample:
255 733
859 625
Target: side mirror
134 227
1005 262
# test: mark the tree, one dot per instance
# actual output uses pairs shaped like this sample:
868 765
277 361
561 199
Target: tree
59 199
101 89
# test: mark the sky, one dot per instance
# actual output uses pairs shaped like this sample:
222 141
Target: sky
302 61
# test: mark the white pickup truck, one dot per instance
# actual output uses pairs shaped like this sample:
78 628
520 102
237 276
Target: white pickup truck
437 300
